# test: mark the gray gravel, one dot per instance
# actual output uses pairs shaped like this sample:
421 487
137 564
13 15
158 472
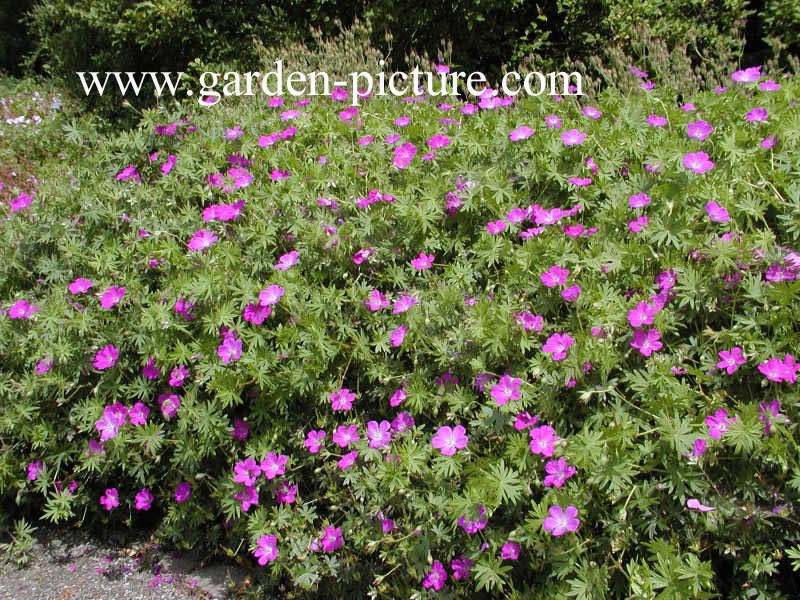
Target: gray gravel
68 565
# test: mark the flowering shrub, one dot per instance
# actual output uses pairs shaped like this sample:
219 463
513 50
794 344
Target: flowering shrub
417 358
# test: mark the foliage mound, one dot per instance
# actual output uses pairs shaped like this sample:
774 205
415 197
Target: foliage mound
541 348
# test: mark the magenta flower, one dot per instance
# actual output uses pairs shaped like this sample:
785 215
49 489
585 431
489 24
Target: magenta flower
770 413
522 132
256 313
695 504
342 399
345 435
286 493
554 276
643 314
403 303
271 295
656 121
639 200
80 286
472 526
21 310
114 417
718 423
543 440
524 420
267 549
112 296
638 224
379 434
347 460
397 336
178 375
287 261
169 403
697 162
183 491
129 172
332 539
361 255
403 155
496 227
21 202
572 293
44 365
223 212
506 389
778 370
35 469
552 121
717 213
436 577
376 301
246 471
450 439
699 447
438 141
230 350
144 499
314 440
528 321
138 414
573 137
699 130
201 240
769 86
423 261
580 181
248 497
592 112
748 75
731 360
461 568
510 551
106 357
558 345
273 465
184 307
560 520
757 115
110 499
150 370
647 342
558 471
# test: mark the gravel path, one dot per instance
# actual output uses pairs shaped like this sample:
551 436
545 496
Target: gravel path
68 565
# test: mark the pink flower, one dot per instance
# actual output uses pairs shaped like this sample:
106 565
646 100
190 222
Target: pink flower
506 389
580 181
21 202
361 255
695 504
106 357
223 212
112 296
543 440
398 397
717 213
314 440
169 403
246 471
230 350
144 499
256 313
769 142
332 539
80 286
778 370
647 342
558 471
524 420
522 132
718 423
423 261
345 435
731 360
438 141
266 549
233 133
342 399
248 497
150 370
757 115
528 321
287 261
699 130
558 344
472 526
286 493
129 172
450 439
697 162
376 301
44 365
379 434
273 465
748 75
35 469
639 200
114 417
347 460
21 310
110 499
554 276
138 414
496 227
560 520
592 112
183 491
552 121
509 551
638 224
397 336
403 155
403 303
573 137
769 86
643 314
436 577
201 240
656 121
572 293
461 568
270 295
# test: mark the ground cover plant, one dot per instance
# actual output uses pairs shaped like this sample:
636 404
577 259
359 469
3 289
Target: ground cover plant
540 347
